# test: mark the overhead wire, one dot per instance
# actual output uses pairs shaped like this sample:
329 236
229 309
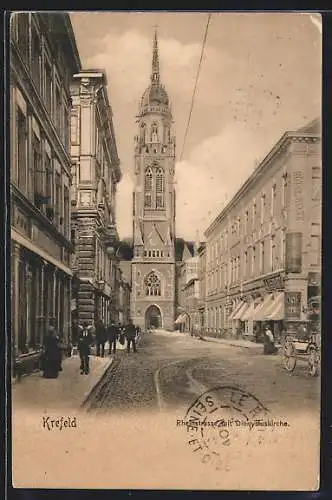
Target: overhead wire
195 86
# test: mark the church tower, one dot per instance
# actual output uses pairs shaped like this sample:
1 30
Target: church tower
153 264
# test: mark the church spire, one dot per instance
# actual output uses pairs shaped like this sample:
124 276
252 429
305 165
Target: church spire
155 75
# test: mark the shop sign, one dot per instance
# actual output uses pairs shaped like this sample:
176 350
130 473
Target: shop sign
274 283
292 305
293 252
298 183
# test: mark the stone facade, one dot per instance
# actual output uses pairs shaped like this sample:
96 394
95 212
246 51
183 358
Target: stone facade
43 58
96 172
264 248
153 264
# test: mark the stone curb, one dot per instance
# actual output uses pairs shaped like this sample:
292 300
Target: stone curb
88 393
226 342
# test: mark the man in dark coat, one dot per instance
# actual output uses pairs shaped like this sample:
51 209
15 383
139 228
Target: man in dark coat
100 337
112 334
130 336
84 342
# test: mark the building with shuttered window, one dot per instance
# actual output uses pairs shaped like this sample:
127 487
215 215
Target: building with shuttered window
263 251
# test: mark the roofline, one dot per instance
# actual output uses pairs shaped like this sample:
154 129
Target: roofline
72 38
283 141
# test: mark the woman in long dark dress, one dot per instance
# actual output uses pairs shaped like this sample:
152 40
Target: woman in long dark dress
52 352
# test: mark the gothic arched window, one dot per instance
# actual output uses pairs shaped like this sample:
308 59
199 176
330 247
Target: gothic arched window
160 188
142 133
154 132
148 188
152 284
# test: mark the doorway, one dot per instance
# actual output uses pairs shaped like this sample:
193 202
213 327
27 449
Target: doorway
153 317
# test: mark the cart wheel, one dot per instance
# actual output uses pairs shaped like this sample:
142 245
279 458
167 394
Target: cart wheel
313 361
289 359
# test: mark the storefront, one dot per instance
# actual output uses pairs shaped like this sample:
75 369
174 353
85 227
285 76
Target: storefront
40 289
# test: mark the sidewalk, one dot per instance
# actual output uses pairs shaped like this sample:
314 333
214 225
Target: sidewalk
246 344
235 343
67 391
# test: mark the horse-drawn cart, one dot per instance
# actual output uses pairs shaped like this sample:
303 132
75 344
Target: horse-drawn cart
296 349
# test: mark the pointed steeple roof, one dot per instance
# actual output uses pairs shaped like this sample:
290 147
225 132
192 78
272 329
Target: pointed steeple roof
155 73
155 94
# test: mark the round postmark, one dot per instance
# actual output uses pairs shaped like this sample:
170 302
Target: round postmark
222 421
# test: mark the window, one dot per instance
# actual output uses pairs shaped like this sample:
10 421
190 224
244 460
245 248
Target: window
254 211
315 250
48 86
283 191
37 166
35 57
154 132
23 34
316 184
245 270
253 260
22 142
160 188
273 200
142 133
273 264
262 257
58 109
148 188
283 248
315 244
58 200
152 285
263 202
66 211
65 126
246 221
49 176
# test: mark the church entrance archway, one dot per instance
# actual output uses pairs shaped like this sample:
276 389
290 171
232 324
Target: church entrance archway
153 317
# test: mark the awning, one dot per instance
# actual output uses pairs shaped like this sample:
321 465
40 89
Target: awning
248 315
241 312
236 310
276 311
180 319
263 308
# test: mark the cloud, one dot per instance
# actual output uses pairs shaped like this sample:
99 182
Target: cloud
215 170
128 58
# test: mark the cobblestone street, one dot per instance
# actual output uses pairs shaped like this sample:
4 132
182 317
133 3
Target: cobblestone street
170 369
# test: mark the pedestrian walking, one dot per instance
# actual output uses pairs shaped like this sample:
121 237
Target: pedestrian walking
100 337
122 334
51 358
84 343
112 335
130 332
269 345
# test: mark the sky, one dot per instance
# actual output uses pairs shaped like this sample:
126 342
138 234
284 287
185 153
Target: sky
260 76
